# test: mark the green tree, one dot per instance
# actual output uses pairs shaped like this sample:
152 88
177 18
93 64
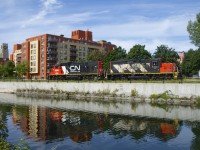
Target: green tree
193 29
166 54
138 52
9 69
21 69
118 53
2 70
191 62
95 55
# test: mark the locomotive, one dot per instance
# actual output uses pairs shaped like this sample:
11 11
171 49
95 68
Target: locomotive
121 69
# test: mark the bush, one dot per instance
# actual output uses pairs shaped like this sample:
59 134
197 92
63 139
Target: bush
134 92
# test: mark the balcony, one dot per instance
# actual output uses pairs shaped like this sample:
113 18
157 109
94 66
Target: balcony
73 55
52 58
52 40
52 46
52 52
73 49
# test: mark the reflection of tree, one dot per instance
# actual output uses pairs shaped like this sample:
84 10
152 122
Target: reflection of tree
3 130
3 127
196 130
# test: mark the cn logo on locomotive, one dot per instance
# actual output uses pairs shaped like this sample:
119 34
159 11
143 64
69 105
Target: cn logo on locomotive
75 68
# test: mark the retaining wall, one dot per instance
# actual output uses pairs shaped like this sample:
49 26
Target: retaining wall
144 89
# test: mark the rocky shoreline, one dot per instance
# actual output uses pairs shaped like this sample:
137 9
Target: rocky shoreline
165 98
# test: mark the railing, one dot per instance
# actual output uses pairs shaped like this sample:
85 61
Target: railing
52 40
52 46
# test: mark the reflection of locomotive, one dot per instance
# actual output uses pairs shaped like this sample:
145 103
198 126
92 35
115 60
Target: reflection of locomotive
126 69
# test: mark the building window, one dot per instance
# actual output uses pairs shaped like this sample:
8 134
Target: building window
33 51
33 63
33 69
33 57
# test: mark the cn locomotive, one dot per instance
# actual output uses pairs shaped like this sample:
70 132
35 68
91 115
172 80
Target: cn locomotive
121 69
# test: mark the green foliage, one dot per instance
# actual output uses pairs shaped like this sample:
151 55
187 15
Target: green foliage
95 55
138 52
193 29
134 93
2 70
197 99
21 69
191 62
114 93
22 145
4 145
117 54
166 54
9 69
166 95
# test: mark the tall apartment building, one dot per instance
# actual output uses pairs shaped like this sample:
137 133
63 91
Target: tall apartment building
3 53
44 51
4 50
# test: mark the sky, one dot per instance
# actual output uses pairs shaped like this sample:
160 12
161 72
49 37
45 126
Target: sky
122 22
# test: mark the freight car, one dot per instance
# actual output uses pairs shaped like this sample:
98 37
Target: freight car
126 69
77 71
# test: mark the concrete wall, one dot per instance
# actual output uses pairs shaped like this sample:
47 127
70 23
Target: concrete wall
145 89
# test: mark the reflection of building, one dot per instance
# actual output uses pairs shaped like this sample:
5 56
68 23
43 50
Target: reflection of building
32 121
43 51
50 124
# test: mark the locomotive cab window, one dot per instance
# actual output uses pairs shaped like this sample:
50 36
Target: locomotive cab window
155 63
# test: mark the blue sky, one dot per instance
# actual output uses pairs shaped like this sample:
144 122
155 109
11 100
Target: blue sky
123 22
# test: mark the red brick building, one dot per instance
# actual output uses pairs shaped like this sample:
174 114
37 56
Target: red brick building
43 51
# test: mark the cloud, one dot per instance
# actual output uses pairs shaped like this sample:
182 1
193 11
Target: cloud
48 6
151 45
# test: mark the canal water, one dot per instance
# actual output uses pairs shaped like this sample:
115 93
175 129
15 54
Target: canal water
80 124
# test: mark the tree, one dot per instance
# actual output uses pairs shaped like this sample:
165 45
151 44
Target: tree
166 54
138 52
95 55
21 69
194 30
2 70
191 62
119 53
9 69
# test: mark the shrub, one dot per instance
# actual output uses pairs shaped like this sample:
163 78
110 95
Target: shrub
134 92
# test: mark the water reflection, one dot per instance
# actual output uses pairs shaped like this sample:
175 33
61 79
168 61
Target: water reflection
51 125
48 124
